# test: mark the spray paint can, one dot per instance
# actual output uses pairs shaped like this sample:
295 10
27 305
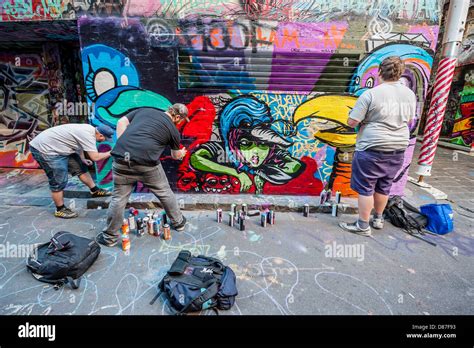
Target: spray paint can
338 197
125 235
233 208
164 219
151 227
156 228
133 211
231 219
263 219
132 225
306 210
166 232
125 228
219 215
155 215
140 228
244 208
329 195
271 217
335 209
241 222
146 219
125 242
322 197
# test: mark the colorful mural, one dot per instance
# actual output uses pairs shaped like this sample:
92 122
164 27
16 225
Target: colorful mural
268 100
281 10
24 106
463 130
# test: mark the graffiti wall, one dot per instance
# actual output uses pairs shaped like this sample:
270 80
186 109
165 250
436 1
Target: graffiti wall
269 84
463 128
460 112
24 106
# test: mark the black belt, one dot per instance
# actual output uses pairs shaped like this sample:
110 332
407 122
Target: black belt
394 152
131 163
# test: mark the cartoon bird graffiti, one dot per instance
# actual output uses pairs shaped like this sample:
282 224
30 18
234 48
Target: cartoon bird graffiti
113 88
328 114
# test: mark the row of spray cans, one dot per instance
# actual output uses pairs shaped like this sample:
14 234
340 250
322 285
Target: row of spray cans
325 198
154 224
239 216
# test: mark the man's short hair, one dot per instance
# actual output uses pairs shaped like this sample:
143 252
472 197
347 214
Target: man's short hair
391 68
180 110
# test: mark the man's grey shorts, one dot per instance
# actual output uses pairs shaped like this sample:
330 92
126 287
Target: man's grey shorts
375 171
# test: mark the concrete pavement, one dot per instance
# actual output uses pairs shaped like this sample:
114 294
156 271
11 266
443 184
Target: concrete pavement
299 266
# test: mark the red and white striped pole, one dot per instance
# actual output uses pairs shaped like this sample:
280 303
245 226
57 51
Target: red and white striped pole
454 28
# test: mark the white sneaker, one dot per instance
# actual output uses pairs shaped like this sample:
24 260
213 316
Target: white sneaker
377 223
355 228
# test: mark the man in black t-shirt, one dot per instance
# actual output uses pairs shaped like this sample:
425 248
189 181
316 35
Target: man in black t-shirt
142 135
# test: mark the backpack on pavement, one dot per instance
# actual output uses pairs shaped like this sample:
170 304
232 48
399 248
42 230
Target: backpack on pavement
195 283
407 217
403 215
64 259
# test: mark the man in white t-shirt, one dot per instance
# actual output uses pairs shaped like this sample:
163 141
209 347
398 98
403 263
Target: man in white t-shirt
383 114
60 150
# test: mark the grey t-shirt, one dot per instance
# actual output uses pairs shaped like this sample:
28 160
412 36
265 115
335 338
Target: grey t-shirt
384 112
66 139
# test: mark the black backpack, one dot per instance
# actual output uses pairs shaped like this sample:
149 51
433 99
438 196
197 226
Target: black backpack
195 283
403 215
63 260
407 217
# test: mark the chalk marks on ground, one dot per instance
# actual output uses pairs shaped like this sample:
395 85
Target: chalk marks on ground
352 291
120 284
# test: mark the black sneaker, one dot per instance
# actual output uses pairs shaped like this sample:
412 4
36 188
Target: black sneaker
180 227
65 213
101 240
100 193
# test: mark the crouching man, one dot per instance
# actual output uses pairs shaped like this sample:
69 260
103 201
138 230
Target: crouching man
142 135
60 150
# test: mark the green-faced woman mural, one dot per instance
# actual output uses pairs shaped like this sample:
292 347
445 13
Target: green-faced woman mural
250 149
